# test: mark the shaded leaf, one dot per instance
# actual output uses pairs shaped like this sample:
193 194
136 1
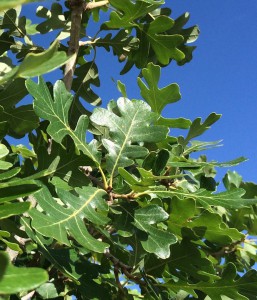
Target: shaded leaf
155 97
21 120
87 74
14 280
158 241
17 188
241 288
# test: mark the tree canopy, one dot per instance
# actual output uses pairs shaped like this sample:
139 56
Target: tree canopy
103 201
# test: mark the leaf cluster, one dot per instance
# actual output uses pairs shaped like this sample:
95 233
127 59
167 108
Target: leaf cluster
105 202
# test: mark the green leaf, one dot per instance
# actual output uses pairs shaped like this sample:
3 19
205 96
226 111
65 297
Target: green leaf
232 180
190 163
38 64
197 128
63 221
9 174
130 12
6 4
155 97
4 165
121 43
181 123
57 112
47 291
11 245
230 285
87 75
15 280
164 45
21 120
12 209
59 260
133 126
158 241
229 199
17 188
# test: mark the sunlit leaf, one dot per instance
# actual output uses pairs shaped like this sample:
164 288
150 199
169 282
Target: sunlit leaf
126 131
38 64
157 98
158 241
61 221
14 280
57 112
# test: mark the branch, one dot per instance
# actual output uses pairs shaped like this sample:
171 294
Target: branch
77 8
92 5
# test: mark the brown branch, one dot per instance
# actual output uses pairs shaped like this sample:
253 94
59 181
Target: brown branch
124 269
77 8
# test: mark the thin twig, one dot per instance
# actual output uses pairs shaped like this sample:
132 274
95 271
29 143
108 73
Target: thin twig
92 5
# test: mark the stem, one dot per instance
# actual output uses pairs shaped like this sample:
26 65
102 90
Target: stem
92 5
77 9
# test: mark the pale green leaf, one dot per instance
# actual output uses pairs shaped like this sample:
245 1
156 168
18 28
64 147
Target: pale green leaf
133 126
4 165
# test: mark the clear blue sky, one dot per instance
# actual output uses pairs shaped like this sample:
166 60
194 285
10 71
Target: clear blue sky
221 78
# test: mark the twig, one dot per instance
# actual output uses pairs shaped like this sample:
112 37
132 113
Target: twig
124 269
92 5
77 8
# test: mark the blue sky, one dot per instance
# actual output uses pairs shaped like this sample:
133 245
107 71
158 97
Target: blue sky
221 77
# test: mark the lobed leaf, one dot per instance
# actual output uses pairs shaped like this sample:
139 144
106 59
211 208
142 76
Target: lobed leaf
228 199
57 113
66 218
240 288
133 126
158 241
155 97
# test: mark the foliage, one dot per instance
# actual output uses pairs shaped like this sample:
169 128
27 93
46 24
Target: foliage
103 203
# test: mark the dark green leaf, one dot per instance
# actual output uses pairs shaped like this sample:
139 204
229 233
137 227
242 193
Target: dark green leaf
229 285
